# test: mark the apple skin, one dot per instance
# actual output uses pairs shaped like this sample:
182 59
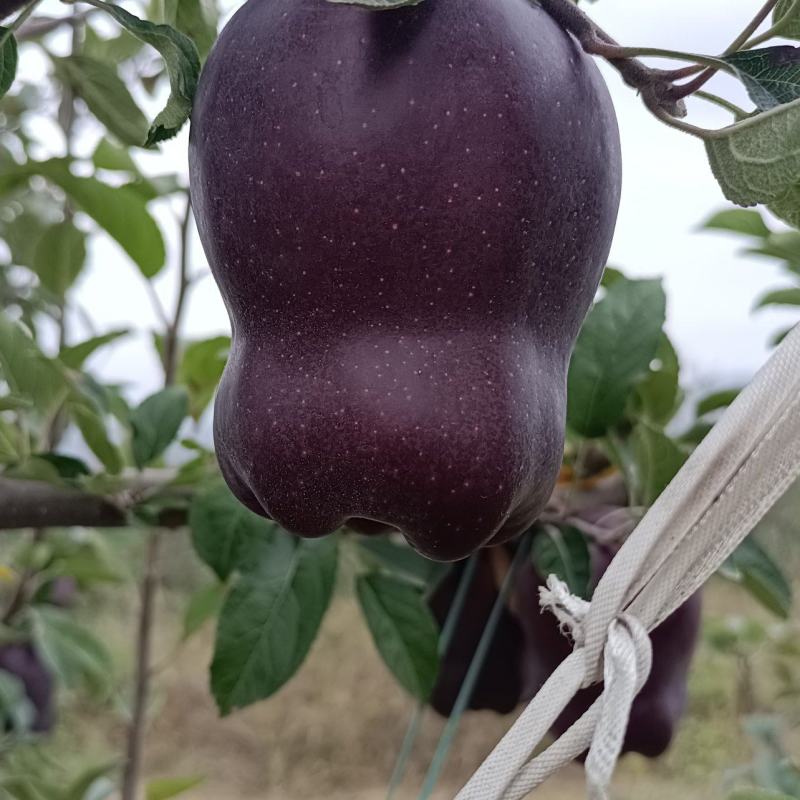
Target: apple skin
407 213
8 7
499 685
24 662
658 708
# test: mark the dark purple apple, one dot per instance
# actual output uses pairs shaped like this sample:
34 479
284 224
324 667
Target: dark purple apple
24 662
658 708
499 684
407 213
8 7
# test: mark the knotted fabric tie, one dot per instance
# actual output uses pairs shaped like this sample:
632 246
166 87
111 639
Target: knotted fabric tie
627 661
739 471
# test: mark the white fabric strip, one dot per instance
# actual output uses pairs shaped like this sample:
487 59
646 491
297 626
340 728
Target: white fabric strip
747 462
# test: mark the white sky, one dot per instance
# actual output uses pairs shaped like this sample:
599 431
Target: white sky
668 190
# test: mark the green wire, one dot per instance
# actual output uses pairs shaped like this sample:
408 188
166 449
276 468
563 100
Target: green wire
449 629
449 733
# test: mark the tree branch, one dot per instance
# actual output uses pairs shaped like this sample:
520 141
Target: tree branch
36 504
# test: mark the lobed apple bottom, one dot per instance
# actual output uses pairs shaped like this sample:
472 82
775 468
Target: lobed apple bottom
407 214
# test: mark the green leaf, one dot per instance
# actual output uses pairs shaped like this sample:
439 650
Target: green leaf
156 422
8 61
739 220
121 212
770 74
782 9
787 206
658 459
378 5
752 567
93 429
183 65
758 161
14 402
165 788
717 400
23 232
403 629
106 398
10 441
196 18
59 257
563 552
81 787
611 275
782 245
204 605
68 467
402 560
659 393
114 50
74 356
780 297
758 794
270 620
226 535
35 469
27 370
113 157
100 87
778 337
734 635
16 710
618 342
200 370
88 559
157 186
74 653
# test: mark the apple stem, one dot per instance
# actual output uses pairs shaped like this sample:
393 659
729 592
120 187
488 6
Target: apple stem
660 94
650 82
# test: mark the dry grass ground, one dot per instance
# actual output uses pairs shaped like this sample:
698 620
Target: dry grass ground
334 731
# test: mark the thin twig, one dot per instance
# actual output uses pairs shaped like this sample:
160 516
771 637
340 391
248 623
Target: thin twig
18 22
679 92
40 26
158 306
144 641
150 581
777 29
737 112
171 338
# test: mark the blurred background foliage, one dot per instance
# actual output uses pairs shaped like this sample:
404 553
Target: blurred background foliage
134 551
